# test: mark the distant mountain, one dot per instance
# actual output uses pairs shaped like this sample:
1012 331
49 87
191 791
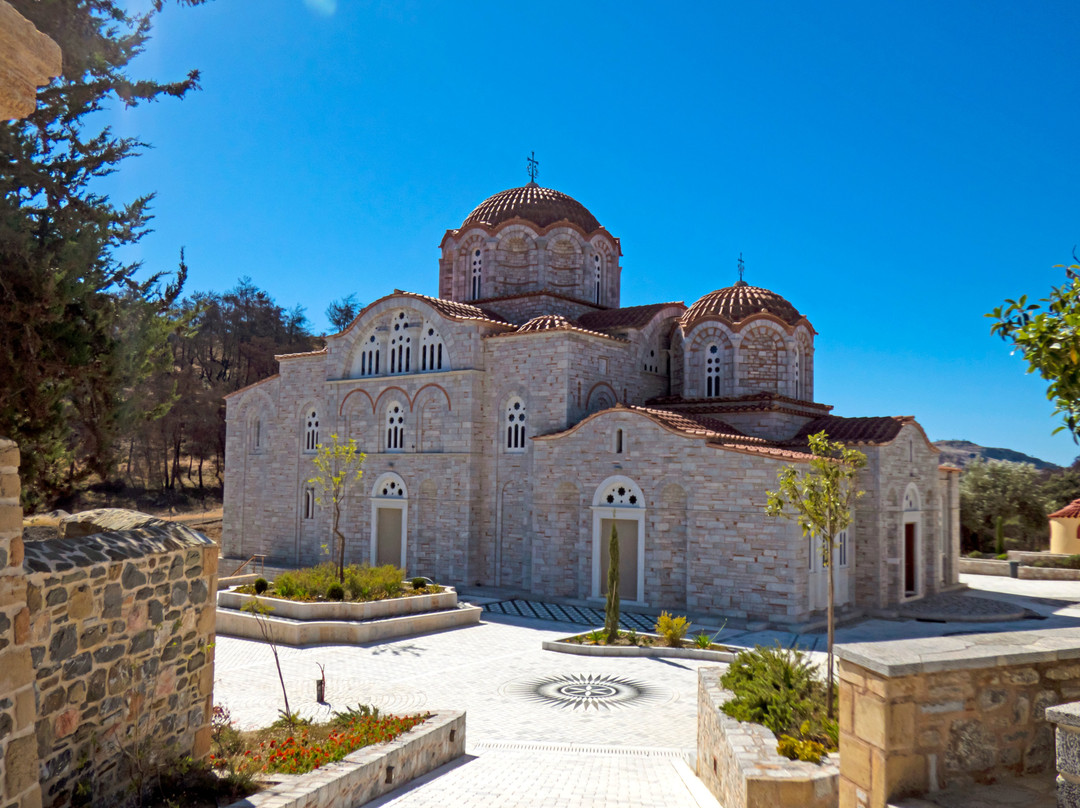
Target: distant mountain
961 452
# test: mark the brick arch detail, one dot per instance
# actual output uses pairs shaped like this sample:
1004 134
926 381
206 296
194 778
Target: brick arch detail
597 386
438 387
341 409
387 390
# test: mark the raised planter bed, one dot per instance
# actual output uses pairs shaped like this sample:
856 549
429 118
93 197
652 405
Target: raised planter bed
371 771
991 566
581 649
739 764
297 623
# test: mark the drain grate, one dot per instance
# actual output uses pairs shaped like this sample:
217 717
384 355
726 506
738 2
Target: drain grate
560 613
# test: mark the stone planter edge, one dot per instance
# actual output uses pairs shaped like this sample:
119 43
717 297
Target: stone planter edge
321 610
636 651
362 775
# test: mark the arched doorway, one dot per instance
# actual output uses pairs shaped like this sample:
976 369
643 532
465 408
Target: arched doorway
619 502
911 550
389 520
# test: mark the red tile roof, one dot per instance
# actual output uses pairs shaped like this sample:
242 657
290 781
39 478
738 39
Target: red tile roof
872 431
1070 511
735 303
554 322
542 206
628 317
453 309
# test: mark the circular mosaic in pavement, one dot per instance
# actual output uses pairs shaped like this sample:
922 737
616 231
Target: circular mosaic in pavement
586 691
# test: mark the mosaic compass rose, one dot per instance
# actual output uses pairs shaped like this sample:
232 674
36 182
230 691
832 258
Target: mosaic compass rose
586 691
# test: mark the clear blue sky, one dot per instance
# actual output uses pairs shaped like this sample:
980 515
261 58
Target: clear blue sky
895 169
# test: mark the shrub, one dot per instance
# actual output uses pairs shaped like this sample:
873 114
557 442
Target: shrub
800 749
672 629
418 583
1002 556
632 636
596 637
335 592
974 554
779 689
702 640
261 585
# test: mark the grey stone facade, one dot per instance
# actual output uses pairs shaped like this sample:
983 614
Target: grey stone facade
505 410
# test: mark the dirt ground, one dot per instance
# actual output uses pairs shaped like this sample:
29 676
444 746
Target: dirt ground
39 528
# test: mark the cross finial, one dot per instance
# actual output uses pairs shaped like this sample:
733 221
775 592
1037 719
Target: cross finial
742 267
532 164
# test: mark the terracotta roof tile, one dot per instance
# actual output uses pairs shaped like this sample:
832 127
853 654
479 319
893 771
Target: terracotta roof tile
873 430
554 322
542 206
298 355
736 303
628 317
453 309
1070 511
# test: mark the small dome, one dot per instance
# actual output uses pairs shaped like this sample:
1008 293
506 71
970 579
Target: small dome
736 303
546 322
541 206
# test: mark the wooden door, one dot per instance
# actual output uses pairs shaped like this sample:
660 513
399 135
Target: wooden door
910 582
628 556
388 536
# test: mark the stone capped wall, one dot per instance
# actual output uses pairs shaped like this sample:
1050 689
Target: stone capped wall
18 747
923 715
120 633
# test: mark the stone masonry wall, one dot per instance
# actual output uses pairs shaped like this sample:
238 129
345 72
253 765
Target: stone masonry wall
18 749
903 736
121 627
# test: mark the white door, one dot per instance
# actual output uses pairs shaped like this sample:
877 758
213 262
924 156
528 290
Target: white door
819 573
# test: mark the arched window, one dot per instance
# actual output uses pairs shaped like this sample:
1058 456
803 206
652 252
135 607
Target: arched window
842 548
400 346
477 273
622 493
432 351
618 441
369 358
515 424
256 443
309 502
598 264
395 427
712 370
311 431
798 373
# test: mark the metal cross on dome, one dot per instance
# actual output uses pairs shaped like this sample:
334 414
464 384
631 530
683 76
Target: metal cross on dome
532 164
742 267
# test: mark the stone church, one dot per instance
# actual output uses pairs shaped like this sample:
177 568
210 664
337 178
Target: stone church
511 420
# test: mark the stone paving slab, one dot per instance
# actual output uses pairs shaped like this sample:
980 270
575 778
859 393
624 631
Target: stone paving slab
1037 791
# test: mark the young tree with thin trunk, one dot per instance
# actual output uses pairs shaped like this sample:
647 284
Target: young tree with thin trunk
820 501
337 464
611 611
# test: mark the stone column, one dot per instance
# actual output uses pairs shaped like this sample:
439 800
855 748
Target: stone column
1067 732
18 744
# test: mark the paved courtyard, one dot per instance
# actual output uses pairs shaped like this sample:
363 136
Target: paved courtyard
550 729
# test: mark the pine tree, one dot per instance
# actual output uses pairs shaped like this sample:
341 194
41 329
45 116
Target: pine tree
79 329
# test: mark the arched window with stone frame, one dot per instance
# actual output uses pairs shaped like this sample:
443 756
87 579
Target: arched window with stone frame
401 358
256 436
395 427
433 354
714 358
477 273
369 364
514 425
598 276
311 430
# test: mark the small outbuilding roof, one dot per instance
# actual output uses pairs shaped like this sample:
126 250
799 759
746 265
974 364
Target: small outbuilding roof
1070 511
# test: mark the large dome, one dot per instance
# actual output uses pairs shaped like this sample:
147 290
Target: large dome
541 206
736 303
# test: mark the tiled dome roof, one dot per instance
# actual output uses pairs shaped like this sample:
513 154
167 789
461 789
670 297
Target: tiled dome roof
546 322
1070 511
541 206
738 302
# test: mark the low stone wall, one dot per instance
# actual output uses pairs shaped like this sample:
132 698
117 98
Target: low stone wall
120 634
18 746
983 566
1048 574
739 764
344 610
372 771
922 715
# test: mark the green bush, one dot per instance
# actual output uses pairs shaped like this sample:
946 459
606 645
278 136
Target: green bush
672 629
361 582
418 583
779 689
1002 556
974 554
261 585
335 592
800 749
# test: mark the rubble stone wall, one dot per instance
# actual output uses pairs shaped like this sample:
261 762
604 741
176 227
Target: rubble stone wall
120 632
